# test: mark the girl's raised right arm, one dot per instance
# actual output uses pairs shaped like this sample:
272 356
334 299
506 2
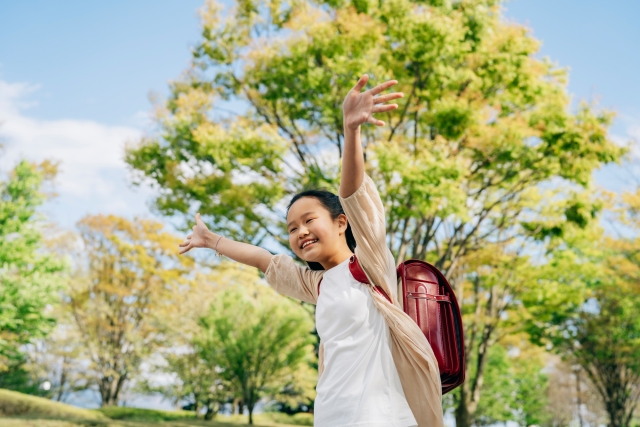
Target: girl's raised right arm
244 253
358 108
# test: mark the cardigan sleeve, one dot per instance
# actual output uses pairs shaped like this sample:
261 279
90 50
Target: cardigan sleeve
293 280
365 212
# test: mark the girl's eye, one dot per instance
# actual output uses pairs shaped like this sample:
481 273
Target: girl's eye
294 229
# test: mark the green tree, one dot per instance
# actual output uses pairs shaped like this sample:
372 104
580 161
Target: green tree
196 379
497 402
29 276
260 342
119 297
515 390
464 163
531 398
606 344
600 329
197 382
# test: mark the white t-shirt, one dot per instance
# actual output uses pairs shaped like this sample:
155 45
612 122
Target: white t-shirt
360 385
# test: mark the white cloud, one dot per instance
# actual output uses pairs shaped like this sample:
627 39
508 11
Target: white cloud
93 176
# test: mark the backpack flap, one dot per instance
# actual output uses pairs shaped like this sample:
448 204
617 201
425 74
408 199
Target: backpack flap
430 301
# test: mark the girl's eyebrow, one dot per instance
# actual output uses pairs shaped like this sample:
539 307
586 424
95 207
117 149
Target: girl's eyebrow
302 216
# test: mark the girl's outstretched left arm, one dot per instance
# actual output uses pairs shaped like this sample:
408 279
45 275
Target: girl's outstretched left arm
358 108
281 271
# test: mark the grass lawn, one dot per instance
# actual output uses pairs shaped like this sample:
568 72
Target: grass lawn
35 421
20 410
46 422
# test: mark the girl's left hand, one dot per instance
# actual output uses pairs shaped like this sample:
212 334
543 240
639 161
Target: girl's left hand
200 238
359 107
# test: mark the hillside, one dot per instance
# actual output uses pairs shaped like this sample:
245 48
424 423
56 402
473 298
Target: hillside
21 410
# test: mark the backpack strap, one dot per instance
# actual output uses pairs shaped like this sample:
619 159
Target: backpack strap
358 273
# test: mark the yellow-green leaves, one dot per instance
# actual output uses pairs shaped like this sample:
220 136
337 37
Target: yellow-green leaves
483 122
123 289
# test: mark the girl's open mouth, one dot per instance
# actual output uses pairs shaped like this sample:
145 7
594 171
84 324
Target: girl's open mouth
309 243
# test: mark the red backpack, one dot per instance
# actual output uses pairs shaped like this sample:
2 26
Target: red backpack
430 301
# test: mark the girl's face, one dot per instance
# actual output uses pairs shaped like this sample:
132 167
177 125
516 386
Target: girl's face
313 235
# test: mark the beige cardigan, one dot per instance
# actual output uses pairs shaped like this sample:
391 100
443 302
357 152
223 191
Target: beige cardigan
413 356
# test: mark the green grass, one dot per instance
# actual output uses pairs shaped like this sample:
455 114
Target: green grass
280 418
16 404
138 414
48 422
21 410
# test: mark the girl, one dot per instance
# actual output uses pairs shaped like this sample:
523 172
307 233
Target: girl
376 368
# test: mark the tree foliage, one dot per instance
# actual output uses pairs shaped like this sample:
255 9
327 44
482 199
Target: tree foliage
261 343
197 382
599 330
482 124
195 376
121 294
516 388
29 276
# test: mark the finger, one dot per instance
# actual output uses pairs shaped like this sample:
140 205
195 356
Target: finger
361 83
382 87
185 250
375 121
386 98
186 242
384 108
198 219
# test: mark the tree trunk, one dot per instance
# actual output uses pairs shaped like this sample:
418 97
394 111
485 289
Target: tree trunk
616 406
579 397
110 390
211 411
463 417
465 411
250 409
196 405
250 401
63 379
616 390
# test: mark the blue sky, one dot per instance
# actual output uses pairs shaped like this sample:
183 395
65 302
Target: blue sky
75 78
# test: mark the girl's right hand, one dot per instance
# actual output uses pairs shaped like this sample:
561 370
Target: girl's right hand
200 238
359 107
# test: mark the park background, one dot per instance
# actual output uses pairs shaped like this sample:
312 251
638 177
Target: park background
76 80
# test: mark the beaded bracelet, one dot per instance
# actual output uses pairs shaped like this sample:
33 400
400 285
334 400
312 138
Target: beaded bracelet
218 254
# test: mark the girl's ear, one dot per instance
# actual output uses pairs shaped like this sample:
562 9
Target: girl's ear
343 222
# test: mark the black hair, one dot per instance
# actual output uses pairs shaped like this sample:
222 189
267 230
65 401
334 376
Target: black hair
332 203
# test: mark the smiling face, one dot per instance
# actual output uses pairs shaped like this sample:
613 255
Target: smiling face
313 235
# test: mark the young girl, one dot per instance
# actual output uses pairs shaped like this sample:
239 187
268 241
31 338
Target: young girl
376 368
